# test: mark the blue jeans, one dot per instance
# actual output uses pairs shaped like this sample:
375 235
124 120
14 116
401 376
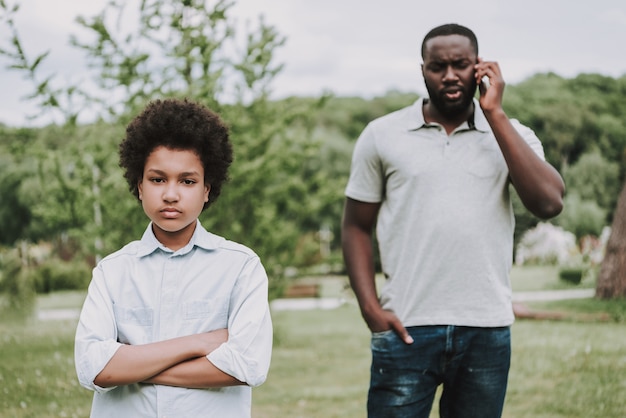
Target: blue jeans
471 363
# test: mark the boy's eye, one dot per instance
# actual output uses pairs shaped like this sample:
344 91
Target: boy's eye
189 181
157 180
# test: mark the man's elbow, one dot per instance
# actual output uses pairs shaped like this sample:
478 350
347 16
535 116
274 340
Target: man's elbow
548 209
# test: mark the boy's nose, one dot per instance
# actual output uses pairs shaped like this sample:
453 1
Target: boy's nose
170 194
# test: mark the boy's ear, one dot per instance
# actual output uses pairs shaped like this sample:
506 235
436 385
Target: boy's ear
139 190
207 190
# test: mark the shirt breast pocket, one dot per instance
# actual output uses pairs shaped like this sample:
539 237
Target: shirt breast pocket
134 324
212 313
485 164
141 315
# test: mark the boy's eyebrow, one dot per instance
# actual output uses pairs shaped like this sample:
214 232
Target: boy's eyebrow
163 173
189 174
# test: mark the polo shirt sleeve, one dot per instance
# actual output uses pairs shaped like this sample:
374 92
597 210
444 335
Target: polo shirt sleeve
247 353
96 334
366 182
530 137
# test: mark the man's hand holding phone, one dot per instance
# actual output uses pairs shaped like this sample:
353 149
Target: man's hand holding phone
490 84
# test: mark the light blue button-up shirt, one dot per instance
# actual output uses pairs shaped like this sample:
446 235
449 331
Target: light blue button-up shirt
146 293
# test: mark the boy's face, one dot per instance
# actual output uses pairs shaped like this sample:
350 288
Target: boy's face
172 192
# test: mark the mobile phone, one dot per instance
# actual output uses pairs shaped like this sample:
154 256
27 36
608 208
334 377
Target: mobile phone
485 81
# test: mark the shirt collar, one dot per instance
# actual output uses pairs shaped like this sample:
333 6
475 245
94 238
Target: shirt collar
416 120
200 238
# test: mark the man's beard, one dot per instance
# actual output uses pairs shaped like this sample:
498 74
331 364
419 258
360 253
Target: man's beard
451 109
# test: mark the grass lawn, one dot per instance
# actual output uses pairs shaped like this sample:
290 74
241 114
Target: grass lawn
529 278
320 365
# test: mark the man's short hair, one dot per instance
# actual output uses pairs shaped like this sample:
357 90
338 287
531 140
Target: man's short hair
450 29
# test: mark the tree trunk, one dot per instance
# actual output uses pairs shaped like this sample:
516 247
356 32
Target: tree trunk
612 277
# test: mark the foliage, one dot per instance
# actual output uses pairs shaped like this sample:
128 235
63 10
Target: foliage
17 295
182 49
54 275
571 274
581 217
269 202
573 116
594 178
15 214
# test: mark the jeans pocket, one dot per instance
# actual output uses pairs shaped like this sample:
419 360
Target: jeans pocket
381 334
383 340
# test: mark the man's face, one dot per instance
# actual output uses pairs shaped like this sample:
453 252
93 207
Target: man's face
448 72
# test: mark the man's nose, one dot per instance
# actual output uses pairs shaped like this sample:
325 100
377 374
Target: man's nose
449 74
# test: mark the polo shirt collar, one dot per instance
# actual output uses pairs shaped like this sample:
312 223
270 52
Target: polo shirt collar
416 120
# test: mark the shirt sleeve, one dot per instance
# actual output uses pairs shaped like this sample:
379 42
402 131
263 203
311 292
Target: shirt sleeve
247 353
530 137
366 182
96 334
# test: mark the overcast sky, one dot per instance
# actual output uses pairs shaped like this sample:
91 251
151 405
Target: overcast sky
366 47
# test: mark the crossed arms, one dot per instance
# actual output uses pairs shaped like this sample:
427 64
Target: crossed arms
176 362
226 345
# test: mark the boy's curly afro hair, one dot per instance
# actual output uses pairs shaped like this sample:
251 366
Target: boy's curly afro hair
177 125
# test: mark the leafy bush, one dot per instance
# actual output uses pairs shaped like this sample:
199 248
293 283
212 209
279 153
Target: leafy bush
55 275
582 217
594 178
571 274
15 285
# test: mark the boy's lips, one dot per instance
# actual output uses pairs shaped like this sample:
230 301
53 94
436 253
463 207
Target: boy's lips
170 212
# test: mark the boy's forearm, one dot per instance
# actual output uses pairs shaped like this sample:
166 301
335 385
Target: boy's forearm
194 374
132 364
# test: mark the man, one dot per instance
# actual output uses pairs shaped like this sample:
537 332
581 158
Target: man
433 178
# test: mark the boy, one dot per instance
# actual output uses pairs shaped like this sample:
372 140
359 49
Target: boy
178 323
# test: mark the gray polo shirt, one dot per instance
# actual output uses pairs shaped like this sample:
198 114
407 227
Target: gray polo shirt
445 226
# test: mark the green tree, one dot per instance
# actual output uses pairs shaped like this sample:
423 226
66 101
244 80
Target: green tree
612 276
581 216
179 49
595 178
573 116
